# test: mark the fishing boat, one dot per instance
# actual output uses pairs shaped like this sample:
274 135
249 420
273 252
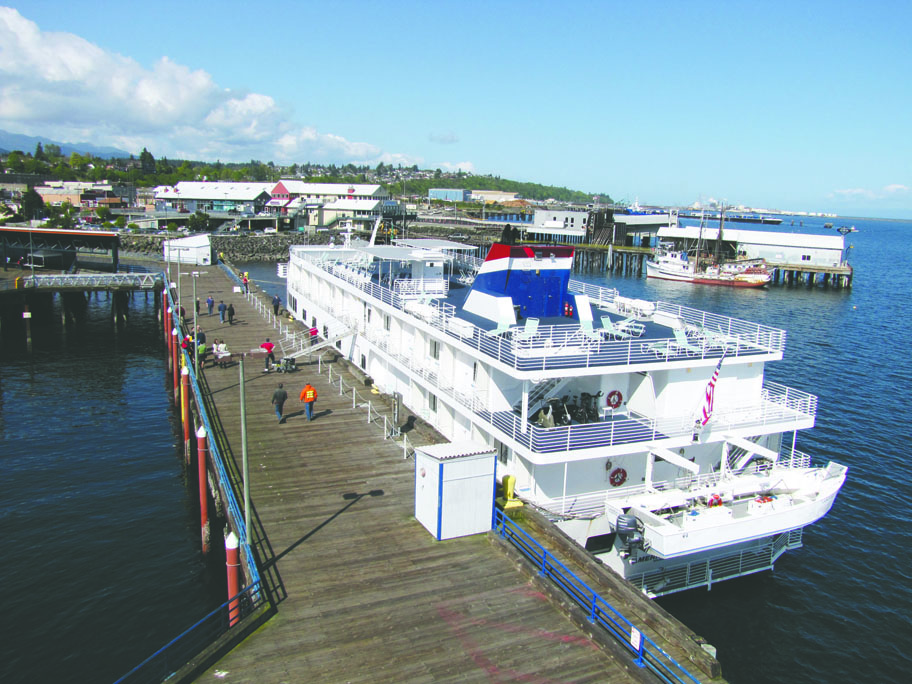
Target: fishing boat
669 263
646 431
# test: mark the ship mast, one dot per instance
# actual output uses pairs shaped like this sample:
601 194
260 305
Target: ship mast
719 237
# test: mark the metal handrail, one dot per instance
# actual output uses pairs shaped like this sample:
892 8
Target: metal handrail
648 653
217 460
179 651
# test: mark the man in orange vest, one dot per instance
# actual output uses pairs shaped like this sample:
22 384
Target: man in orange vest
309 397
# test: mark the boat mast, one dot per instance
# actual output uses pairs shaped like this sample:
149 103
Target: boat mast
719 237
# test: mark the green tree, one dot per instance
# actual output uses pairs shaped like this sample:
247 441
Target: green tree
64 216
120 222
198 222
146 162
104 214
15 162
52 151
171 227
39 152
32 205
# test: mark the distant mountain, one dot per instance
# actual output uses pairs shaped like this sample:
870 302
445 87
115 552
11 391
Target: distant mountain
27 143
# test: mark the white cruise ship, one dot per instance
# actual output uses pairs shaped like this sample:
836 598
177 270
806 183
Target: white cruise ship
645 430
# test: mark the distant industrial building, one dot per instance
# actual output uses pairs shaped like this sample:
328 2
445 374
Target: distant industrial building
494 196
549 225
450 194
192 196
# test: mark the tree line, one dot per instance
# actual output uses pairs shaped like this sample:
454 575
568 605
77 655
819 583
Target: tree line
147 171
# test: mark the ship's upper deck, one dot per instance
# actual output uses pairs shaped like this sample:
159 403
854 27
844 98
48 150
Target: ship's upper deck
606 330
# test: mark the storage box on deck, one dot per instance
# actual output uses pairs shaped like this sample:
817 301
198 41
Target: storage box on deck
454 488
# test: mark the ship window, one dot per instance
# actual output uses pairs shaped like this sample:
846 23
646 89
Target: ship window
434 348
474 371
386 322
432 403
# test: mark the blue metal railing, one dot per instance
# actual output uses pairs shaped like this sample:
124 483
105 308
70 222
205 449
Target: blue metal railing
217 460
182 649
647 653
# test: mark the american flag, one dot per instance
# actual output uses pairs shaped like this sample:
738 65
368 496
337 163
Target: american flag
710 391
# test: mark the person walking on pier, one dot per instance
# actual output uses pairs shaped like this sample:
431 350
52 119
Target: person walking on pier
230 313
246 282
221 310
278 400
210 302
276 303
270 354
309 397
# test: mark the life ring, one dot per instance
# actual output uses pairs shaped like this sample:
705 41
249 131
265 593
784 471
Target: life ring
617 477
614 399
714 500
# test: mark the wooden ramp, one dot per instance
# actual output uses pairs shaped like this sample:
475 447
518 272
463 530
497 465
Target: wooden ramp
369 595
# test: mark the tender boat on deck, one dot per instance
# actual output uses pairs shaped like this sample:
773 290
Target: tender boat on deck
645 430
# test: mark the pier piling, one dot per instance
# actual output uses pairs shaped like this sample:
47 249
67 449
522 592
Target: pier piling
201 457
231 565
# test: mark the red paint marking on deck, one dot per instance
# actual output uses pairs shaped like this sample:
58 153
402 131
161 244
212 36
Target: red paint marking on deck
459 623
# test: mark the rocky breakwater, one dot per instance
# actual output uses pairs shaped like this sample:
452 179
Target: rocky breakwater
237 248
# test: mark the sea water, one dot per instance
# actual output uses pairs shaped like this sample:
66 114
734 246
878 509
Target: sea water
101 562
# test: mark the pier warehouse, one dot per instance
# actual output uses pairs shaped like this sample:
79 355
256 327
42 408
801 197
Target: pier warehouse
777 248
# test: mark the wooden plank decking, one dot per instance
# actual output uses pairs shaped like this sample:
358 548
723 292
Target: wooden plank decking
370 596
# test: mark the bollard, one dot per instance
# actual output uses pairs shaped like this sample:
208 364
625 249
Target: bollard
201 450
175 367
185 409
232 564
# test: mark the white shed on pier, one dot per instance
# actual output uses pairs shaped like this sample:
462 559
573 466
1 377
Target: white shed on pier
196 249
454 488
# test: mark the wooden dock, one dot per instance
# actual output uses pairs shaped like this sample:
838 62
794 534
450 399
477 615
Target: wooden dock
367 594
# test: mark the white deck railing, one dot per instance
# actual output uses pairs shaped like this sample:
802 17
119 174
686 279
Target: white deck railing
558 346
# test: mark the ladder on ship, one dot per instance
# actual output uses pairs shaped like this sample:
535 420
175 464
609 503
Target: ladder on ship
332 339
539 393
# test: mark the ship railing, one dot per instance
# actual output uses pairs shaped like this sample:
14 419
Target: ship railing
779 405
605 502
565 346
645 652
733 329
598 295
421 287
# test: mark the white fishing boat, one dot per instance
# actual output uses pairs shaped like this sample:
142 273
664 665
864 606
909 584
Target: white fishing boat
646 431
669 263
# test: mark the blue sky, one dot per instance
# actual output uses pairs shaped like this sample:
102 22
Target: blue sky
782 105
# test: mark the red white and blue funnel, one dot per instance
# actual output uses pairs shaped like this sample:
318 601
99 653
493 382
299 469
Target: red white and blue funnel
533 278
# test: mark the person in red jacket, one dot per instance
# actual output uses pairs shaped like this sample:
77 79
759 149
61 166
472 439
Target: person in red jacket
309 397
270 355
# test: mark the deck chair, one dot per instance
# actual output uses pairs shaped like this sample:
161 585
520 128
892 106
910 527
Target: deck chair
631 326
588 333
684 343
528 331
502 327
614 331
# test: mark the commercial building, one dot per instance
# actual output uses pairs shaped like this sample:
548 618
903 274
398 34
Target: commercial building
193 196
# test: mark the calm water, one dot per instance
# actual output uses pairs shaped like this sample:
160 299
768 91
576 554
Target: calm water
837 610
101 562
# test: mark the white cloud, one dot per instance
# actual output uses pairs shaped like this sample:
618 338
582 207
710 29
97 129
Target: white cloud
466 166
64 87
892 191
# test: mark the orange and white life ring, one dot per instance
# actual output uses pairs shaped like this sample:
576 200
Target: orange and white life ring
614 399
617 477
714 501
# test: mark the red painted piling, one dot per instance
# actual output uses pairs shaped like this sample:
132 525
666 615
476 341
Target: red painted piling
232 564
185 408
175 367
201 455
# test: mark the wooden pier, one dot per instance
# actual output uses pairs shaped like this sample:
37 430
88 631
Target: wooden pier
365 593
